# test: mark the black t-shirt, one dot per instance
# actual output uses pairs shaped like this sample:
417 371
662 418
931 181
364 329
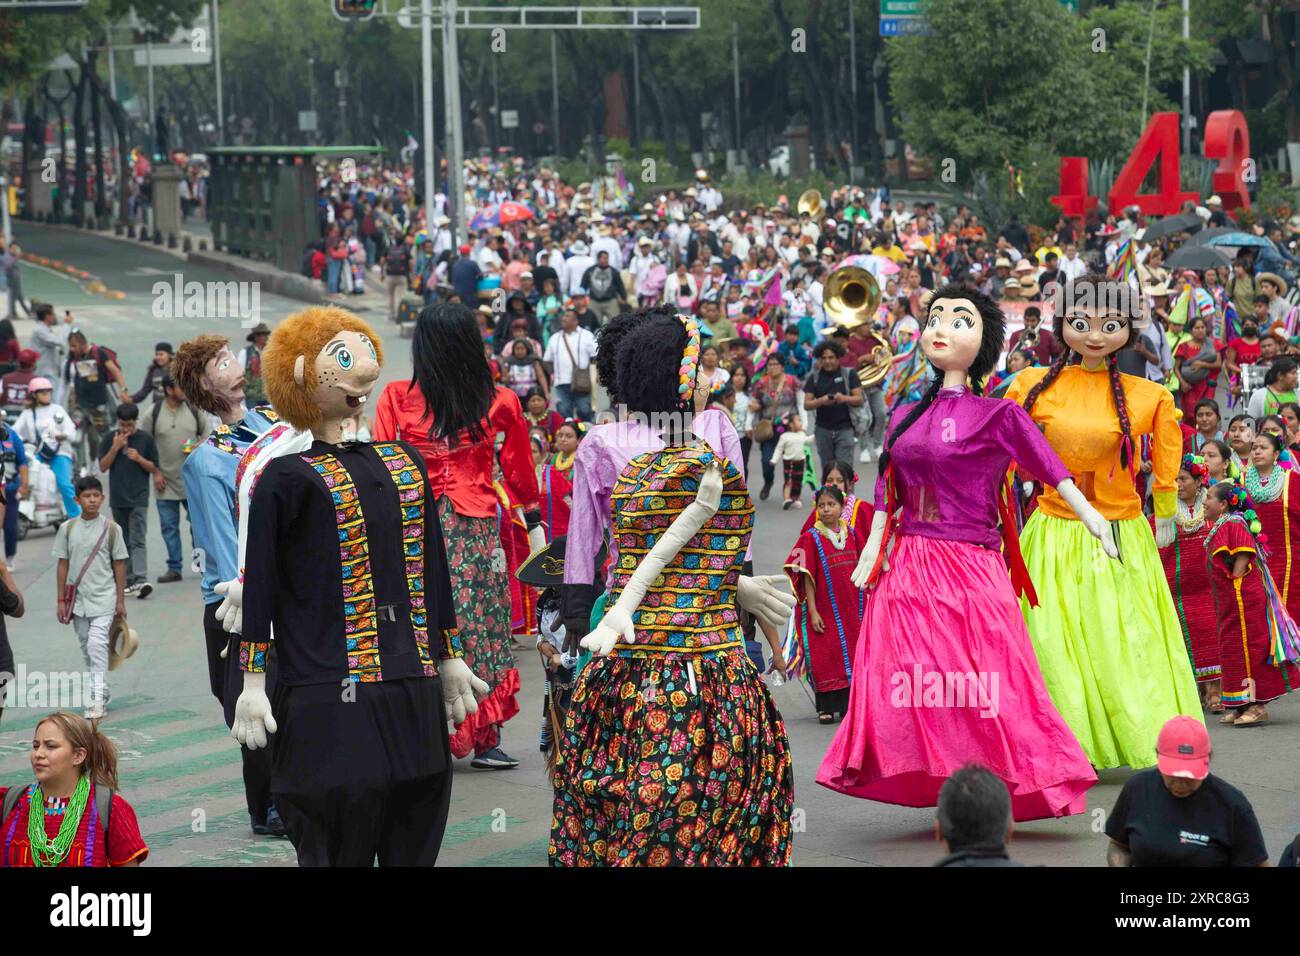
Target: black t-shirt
128 483
843 382
1215 826
92 378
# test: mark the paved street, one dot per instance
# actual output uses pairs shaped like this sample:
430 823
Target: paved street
180 769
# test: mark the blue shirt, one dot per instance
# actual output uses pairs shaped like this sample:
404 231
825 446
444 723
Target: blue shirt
209 477
14 455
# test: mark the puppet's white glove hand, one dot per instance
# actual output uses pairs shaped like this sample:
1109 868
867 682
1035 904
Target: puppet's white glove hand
253 719
614 628
762 597
460 689
868 559
1092 519
1166 529
1099 528
536 539
230 613
709 494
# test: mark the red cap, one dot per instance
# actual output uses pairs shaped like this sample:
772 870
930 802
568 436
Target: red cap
1183 748
28 358
464 250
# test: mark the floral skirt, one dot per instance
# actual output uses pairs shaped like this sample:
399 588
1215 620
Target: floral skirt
655 772
480 593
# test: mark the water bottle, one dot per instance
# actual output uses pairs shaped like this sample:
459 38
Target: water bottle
775 679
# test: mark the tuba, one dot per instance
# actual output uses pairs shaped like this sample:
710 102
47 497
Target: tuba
811 203
850 298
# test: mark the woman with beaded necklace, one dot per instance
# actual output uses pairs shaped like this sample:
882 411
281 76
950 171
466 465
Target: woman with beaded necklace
1219 465
1189 580
1275 493
1258 639
84 822
1106 632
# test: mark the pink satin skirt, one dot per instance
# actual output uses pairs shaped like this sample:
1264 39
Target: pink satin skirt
945 675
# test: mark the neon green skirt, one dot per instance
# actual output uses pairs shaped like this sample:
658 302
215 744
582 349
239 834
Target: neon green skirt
1107 637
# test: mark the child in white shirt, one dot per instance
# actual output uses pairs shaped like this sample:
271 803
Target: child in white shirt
789 452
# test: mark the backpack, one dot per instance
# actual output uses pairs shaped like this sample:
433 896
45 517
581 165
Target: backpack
395 263
157 409
103 806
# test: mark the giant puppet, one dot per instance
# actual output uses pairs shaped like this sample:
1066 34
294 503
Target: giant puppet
1106 632
211 377
944 673
672 752
345 558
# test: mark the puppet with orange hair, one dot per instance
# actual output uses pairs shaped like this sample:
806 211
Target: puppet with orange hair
345 558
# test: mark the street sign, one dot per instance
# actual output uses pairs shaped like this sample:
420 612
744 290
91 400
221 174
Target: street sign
1071 6
307 121
509 119
900 8
904 26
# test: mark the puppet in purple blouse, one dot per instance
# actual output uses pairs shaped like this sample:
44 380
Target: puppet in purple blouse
944 673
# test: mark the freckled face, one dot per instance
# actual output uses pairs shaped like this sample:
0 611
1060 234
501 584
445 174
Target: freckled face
346 371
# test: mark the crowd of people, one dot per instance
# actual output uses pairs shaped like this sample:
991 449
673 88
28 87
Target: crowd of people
571 322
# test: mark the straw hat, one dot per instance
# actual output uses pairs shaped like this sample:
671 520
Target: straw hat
1160 288
123 641
1028 287
1011 282
1274 278
1023 266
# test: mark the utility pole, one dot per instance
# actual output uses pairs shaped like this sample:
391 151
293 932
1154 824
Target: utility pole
455 148
1187 84
216 57
636 92
735 73
496 105
426 79
555 94
153 115
853 90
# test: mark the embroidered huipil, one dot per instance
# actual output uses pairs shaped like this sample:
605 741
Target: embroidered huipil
949 464
691 606
464 473
209 478
346 558
1077 415
600 458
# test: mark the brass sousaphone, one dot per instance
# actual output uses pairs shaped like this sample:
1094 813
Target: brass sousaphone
811 203
851 297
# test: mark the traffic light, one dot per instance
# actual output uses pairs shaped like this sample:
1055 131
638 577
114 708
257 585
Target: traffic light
355 9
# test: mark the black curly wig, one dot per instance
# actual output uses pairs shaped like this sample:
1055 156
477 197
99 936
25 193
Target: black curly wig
993 334
609 338
649 359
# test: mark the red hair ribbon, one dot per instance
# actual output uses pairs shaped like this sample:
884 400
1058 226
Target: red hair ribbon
1021 583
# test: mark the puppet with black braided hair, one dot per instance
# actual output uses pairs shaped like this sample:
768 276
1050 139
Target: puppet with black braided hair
1107 634
944 602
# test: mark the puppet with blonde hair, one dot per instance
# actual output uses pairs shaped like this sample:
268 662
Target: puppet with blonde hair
345 558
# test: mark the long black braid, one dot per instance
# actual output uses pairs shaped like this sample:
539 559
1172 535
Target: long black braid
1104 290
993 333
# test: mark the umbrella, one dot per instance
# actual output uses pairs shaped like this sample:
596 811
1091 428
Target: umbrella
878 266
1240 239
506 212
1203 237
1184 222
1197 257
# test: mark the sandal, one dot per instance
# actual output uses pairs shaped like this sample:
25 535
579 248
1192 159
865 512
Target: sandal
1215 703
1229 717
825 719
1254 717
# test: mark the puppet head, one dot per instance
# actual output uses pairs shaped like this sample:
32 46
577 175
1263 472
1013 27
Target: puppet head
320 367
209 374
1097 317
964 329
658 366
